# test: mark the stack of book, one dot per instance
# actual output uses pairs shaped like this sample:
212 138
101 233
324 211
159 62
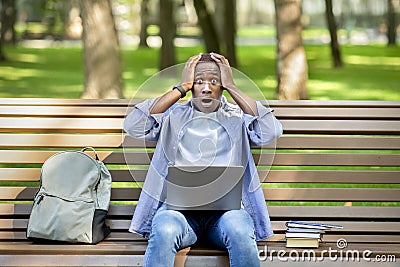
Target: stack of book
305 234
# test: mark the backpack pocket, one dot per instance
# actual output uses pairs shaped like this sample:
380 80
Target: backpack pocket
60 219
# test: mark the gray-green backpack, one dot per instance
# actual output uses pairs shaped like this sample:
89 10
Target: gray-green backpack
73 199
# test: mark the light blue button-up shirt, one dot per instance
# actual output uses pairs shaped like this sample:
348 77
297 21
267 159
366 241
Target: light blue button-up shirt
169 127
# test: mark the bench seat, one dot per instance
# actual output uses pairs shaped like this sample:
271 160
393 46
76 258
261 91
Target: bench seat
338 162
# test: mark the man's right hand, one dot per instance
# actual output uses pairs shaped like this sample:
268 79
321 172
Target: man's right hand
188 72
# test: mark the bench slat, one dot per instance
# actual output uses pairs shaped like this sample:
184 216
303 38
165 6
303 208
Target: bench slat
131 248
389 240
271 176
76 125
121 111
338 113
70 112
337 142
124 102
63 140
332 194
64 102
279 159
271 194
278 226
340 126
113 125
118 140
276 212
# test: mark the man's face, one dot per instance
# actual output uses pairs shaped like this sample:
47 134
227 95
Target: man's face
207 89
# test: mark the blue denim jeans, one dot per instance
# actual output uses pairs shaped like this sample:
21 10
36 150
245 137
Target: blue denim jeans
173 230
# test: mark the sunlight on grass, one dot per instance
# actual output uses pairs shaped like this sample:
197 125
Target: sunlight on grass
365 60
149 71
29 58
256 30
324 86
16 74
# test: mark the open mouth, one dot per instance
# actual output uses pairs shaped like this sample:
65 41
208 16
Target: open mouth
206 100
206 104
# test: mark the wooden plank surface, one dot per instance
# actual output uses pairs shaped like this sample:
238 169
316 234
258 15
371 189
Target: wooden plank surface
277 159
337 113
268 176
121 111
271 194
113 125
351 213
341 126
68 112
62 119
76 125
388 239
278 226
124 102
11 140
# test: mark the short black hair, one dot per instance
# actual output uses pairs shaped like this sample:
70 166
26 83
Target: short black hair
206 58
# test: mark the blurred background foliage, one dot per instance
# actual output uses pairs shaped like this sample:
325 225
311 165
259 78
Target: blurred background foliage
44 56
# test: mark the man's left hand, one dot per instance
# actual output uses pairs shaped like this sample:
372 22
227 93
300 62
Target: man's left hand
226 71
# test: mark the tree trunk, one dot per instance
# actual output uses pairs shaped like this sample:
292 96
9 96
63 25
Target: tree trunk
230 31
391 32
2 56
144 14
101 51
167 34
335 47
207 26
8 17
291 65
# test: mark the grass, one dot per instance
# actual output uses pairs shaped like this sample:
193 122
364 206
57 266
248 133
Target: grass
370 72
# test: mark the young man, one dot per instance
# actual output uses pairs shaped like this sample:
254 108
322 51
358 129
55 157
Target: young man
206 130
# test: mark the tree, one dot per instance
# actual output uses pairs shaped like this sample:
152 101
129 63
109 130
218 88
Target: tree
167 34
391 32
335 47
224 22
144 14
291 63
8 17
207 26
2 56
230 31
101 51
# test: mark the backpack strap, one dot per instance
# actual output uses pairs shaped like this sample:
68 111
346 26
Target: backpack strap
91 148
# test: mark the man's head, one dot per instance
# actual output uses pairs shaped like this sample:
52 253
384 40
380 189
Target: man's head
207 84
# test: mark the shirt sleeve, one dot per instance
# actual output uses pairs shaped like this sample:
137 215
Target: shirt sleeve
264 128
143 125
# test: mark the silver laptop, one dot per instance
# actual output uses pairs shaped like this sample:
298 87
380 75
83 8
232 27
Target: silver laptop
204 187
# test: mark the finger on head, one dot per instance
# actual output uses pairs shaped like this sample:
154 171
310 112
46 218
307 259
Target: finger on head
193 58
214 56
198 57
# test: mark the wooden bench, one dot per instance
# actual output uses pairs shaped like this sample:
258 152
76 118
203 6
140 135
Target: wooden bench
337 162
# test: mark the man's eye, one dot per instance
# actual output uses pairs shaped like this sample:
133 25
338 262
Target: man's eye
199 81
214 81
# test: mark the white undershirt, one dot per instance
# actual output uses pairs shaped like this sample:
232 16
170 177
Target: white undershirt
204 143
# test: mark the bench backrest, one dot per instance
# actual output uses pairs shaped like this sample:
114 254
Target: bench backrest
337 162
